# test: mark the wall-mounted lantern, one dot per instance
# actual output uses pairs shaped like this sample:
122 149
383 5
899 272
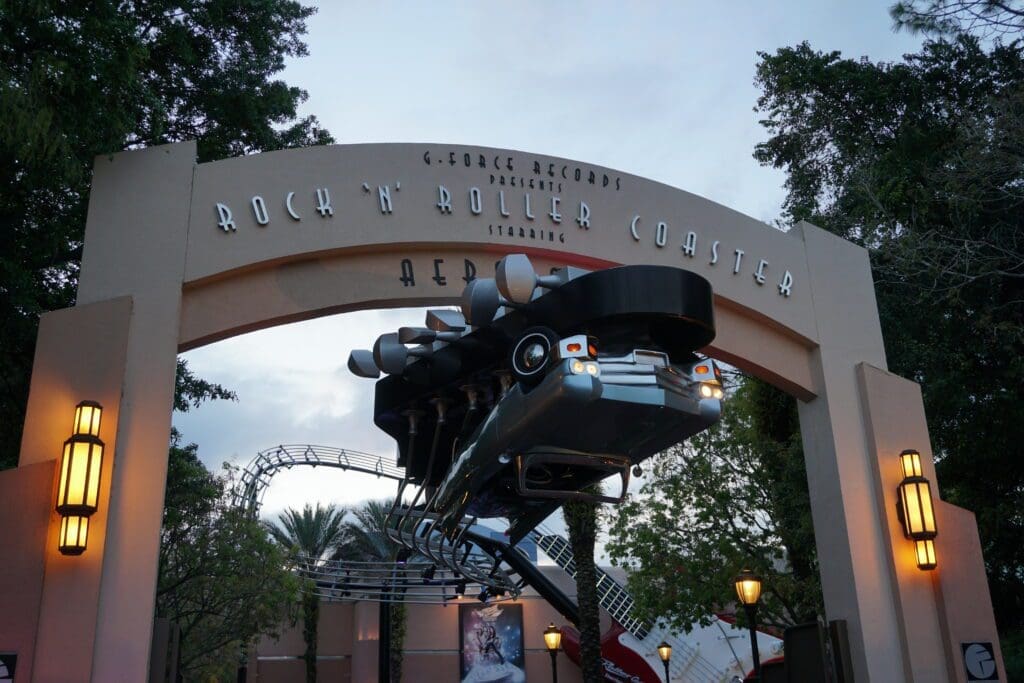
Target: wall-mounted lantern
78 489
74 532
915 509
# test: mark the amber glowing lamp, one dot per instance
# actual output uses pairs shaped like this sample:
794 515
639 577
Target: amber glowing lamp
916 510
78 488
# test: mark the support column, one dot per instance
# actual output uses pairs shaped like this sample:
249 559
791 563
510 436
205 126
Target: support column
366 645
136 237
895 421
852 553
132 270
941 609
80 355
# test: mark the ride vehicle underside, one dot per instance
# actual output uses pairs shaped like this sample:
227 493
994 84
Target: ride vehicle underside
540 387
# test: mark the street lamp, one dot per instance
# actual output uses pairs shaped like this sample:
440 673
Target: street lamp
748 589
553 639
665 652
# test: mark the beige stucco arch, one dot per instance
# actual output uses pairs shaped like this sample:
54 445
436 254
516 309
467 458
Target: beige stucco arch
178 255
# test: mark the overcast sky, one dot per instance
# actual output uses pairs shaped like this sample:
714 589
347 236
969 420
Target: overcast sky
662 90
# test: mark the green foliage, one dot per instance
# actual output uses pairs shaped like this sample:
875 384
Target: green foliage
582 524
1012 644
80 79
922 163
991 18
190 391
310 628
312 533
222 580
366 536
733 497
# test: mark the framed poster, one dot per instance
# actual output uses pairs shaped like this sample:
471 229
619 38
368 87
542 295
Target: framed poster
491 643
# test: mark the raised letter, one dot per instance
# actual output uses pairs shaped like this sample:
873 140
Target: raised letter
470 271
407 279
739 257
259 208
786 286
226 222
555 216
475 205
444 199
583 218
714 252
690 245
438 278
632 227
323 202
384 194
529 214
501 204
661 234
289 208
759 273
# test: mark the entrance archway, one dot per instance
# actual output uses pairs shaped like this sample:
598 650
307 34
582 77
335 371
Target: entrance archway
179 254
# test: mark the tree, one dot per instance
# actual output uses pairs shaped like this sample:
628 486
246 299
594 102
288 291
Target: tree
733 497
581 522
921 162
366 540
222 580
366 537
991 18
79 79
310 537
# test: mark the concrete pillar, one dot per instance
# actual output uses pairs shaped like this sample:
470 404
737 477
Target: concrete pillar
117 346
366 635
138 213
852 552
940 609
80 354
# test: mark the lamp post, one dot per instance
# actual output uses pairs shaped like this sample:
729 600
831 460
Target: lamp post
553 639
665 652
748 589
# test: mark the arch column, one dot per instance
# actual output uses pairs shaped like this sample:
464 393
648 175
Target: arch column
117 345
845 510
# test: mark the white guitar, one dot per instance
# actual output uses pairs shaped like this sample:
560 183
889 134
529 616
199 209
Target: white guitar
718 653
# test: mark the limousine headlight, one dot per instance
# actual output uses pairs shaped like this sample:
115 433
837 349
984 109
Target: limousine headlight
708 390
580 367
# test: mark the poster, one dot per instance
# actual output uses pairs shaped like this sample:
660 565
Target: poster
491 643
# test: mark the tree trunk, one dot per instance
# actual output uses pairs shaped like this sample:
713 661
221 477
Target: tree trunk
310 619
581 520
398 619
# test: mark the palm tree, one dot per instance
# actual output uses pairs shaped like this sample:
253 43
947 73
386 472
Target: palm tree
581 521
366 540
313 535
366 537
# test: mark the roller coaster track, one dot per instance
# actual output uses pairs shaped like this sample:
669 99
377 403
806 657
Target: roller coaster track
418 580
343 579
248 493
